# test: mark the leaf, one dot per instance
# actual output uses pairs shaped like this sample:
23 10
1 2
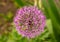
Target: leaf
54 17
44 35
24 2
20 2
49 27
54 9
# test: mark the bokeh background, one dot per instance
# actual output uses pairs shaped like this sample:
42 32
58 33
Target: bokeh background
51 9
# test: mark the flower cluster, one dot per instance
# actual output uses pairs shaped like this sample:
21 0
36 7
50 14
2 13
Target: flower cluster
29 21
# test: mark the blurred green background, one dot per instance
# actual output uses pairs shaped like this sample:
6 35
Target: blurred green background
51 9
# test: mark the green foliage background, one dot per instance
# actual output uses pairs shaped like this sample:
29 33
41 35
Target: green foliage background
51 9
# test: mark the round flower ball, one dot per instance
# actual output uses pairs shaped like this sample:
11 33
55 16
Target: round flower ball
29 21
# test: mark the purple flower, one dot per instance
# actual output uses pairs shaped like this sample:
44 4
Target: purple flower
29 21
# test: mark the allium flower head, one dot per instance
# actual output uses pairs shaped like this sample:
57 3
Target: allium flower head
29 21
